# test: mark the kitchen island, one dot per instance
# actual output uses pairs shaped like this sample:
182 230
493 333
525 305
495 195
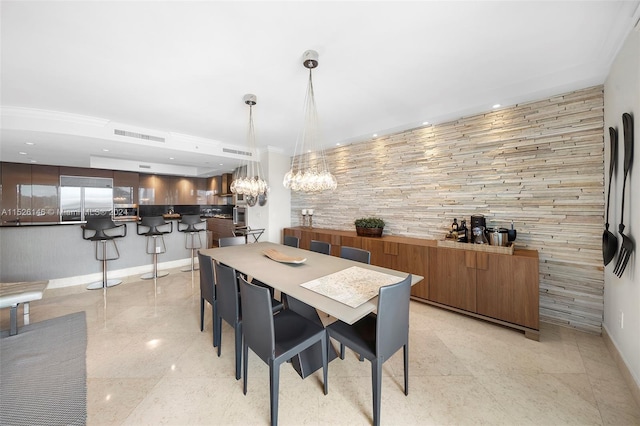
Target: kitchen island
56 252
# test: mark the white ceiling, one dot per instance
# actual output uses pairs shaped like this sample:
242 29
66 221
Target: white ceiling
72 72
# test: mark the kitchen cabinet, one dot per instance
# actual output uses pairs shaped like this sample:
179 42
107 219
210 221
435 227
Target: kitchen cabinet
219 228
45 195
185 191
225 184
501 288
174 190
126 187
16 192
155 189
87 172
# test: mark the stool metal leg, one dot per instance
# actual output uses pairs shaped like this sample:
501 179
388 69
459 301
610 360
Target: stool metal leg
14 320
105 282
193 248
156 249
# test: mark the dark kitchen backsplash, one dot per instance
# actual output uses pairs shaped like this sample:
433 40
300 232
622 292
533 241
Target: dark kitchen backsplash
204 210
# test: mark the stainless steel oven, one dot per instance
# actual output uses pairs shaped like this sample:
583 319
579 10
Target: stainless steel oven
239 200
239 216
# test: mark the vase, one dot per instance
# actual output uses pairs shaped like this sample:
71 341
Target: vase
369 232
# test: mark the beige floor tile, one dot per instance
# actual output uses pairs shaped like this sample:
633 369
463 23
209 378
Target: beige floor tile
148 363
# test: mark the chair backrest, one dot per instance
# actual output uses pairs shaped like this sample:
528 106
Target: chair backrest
152 223
207 284
231 241
320 247
227 293
356 254
392 327
99 225
257 319
290 240
190 220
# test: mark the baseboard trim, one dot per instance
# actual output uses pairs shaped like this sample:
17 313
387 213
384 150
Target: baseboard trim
116 273
634 387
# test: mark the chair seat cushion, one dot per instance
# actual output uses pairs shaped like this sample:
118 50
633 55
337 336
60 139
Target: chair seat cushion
292 329
361 336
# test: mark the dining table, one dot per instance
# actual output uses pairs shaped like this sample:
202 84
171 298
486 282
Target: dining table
342 288
298 267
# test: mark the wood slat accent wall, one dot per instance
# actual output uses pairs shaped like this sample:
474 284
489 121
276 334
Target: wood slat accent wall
539 164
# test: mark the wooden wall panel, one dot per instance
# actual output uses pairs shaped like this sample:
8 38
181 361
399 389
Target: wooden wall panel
539 164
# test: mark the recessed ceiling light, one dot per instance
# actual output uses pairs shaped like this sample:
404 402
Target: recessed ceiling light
221 164
496 106
338 144
171 158
105 150
33 161
375 135
29 143
424 123
22 153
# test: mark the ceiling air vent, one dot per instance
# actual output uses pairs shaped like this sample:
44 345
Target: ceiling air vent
144 166
235 151
138 135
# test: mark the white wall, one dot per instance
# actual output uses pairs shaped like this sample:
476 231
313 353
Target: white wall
275 215
622 295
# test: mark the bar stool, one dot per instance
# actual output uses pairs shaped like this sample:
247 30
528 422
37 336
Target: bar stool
189 225
149 227
102 230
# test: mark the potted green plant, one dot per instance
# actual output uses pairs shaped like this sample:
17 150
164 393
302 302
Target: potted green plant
369 226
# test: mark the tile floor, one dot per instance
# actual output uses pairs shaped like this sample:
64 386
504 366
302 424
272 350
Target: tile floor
149 364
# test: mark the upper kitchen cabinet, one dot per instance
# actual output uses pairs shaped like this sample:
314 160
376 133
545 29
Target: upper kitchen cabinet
201 191
16 193
172 190
185 191
85 172
45 194
126 187
227 178
148 187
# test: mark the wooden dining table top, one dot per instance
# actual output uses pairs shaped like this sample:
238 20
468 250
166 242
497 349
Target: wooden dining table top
289 277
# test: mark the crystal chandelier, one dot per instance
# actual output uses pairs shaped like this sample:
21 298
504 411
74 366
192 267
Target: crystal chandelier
248 181
310 172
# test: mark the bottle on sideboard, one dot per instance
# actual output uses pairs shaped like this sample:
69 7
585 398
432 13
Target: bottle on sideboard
462 232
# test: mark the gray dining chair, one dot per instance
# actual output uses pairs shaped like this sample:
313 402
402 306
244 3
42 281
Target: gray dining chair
320 247
228 308
353 253
238 241
231 241
276 338
207 292
378 337
290 240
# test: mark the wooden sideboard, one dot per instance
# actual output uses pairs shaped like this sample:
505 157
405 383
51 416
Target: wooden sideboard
501 288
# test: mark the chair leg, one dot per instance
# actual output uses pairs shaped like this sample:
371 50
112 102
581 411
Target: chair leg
201 314
341 351
376 379
238 332
325 358
245 357
274 387
219 332
214 314
406 368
